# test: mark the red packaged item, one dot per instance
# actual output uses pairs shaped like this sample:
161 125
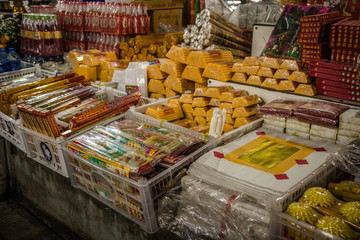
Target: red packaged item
322 121
283 108
321 109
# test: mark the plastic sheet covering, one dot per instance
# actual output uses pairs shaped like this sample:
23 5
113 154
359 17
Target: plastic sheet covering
348 158
219 6
204 211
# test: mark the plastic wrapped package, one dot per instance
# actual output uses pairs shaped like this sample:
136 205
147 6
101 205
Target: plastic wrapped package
293 123
156 86
323 132
274 122
349 133
238 67
286 85
185 123
178 54
200 111
240 77
200 120
347 158
186 98
274 118
255 80
280 107
252 70
157 95
297 133
289 64
200 128
350 116
170 93
187 108
349 126
282 74
241 121
300 77
172 67
165 112
215 92
219 71
271 63
266 72
245 111
306 89
175 101
322 109
200 102
273 127
246 101
322 121
214 102
345 140
230 95
227 107
200 92
179 84
194 74
153 71
252 61
321 139
202 58
228 127
270 83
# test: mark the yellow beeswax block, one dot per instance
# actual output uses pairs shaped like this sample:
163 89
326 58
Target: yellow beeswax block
252 61
76 68
300 77
203 128
105 65
230 95
89 72
266 72
194 74
227 107
201 85
229 119
169 93
186 98
172 67
153 71
175 101
306 89
156 86
187 108
214 102
200 102
219 71
200 112
270 83
282 74
202 58
111 56
245 101
166 112
245 111
240 77
187 123
228 127
178 54
157 95
200 120
271 62
209 114
244 120
238 67
287 85
73 57
200 92
255 80
189 116
292 65
179 84
103 77
252 70
215 92
92 60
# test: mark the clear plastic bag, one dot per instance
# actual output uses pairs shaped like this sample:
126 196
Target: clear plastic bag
348 158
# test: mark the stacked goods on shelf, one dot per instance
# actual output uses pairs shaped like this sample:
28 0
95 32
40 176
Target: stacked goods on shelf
336 79
96 65
195 110
315 34
268 165
282 75
344 41
315 120
146 47
122 154
320 208
214 32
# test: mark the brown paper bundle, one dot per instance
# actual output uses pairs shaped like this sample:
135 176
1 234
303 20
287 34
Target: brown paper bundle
212 39
172 39
146 40
161 52
124 46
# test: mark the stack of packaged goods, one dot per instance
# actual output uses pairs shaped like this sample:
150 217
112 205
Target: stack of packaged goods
269 167
214 32
336 79
349 126
156 81
198 108
41 36
146 47
282 75
95 65
314 35
315 120
344 41
116 147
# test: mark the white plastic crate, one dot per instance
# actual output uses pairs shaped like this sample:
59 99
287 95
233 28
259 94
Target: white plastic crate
10 130
27 68
136 200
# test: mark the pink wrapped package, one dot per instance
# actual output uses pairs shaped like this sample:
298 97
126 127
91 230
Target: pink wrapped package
322 109
322 121
281 107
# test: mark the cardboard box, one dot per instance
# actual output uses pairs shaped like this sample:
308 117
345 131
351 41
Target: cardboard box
165 4
171 16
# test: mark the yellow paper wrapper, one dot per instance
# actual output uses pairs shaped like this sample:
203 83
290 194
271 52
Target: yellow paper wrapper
240 77
219 71
202 58
194 74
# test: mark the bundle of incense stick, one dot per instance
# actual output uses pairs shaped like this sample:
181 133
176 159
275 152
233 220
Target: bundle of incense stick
212 30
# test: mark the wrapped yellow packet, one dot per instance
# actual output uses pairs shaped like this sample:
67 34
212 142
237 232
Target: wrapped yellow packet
287 85
271 63
255 80
252 61
245 111
179 84
306 89
271 83
172 67
282 74
201 128
229 119
186 98
230 95
175 101
189 116
200 120
200 102
215 92
244 120
245 101
228 127
292 65
153 71
169 93
165 112
240 77
214 102
209 114
200 92
238 67
178 54
219 71
157 95
266 72
200 111
300 77
187 108
202 58
156 86
194 74
227 107
201 85
252 70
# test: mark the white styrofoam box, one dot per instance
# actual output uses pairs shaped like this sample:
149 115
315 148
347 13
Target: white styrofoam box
297 133
10 130
349 126
298 127
275 122
273 127
27 68
323 132
136 200
348 133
